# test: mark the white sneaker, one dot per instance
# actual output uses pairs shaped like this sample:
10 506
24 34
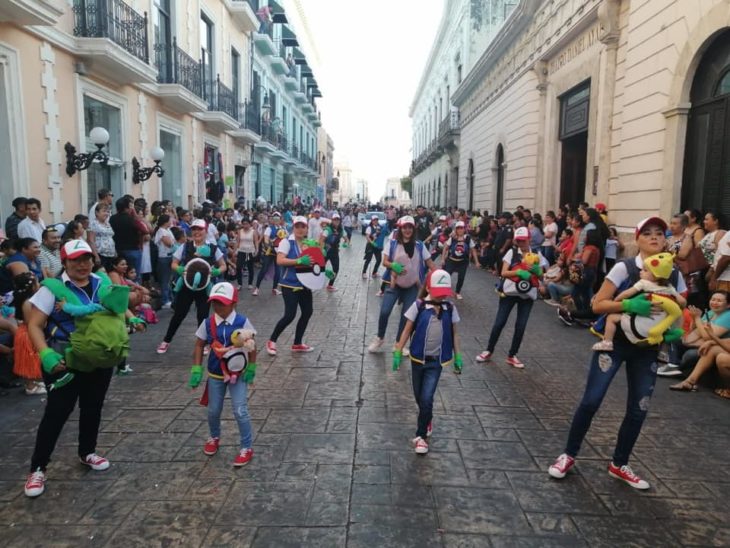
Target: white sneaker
37 390
167 305
95 462
421 445
459 297
375 345
669 370
255 292
35 484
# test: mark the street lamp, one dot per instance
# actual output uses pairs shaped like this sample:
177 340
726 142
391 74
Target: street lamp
79 162
140 174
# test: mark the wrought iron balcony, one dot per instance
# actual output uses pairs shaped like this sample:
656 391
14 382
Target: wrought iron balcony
278 60
177 67
221 98
250 117
449 128
115 20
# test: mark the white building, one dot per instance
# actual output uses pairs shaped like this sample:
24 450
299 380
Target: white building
395 195
467 27
343 174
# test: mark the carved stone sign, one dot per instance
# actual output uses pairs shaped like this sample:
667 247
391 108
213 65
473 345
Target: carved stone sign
576 47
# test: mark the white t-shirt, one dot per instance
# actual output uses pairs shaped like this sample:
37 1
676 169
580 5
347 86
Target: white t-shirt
723 249
315 228
285 245
28 228
212 236
163 251
619 274
550 228
202 333
434 333
180 250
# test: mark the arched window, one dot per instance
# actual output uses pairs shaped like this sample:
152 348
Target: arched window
499 187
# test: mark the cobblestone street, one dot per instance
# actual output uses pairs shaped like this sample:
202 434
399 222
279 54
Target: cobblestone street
333 465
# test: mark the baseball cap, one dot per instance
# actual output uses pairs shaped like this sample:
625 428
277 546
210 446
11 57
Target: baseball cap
198 223
438 283
73 249
600 207
522 234
374 218
324 220
407 220
223 292
658 221
459 224
276 214
442 218
336 215
300 220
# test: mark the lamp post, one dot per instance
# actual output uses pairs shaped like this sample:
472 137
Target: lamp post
79 162
140 174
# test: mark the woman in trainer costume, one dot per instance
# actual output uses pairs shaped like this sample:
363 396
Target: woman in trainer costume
195 250
50 328
641 368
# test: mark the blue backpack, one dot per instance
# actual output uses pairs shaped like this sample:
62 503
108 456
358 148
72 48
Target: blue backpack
420 248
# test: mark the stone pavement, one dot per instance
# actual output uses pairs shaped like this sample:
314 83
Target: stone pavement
333 465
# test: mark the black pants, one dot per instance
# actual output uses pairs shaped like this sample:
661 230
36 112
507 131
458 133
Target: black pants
183 302
334 259
90 390
371 250
266 261
301 298
244 260
460 268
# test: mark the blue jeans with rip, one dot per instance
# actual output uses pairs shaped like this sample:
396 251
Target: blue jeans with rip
425 378
239 401
523 315
407 296
641 371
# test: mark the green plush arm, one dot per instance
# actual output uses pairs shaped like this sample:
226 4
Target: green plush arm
250 373
196 375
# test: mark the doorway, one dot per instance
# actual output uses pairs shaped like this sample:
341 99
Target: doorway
499 203
707 155
574 110
470 183
172 180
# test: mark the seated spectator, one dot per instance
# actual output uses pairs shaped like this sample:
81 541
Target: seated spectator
25 259
50 257
557 283
120 275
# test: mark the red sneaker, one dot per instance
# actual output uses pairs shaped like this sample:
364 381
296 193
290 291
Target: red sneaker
271 348
420 445
35 484
561 466
626 474
429 429
95 462
211 446
331 288
243 458
515 362
301 348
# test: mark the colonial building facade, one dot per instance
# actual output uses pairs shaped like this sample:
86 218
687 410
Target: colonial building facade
189 76
617 101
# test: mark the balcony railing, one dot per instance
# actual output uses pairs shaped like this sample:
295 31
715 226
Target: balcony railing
450 124
250 117
221 98
115 20
253 3
177 67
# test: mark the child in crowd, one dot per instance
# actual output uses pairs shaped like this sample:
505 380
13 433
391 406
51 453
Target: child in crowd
231 258
654 282
613 248
26 363
217 331
432 321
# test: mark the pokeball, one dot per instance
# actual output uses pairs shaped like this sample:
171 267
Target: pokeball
236 360
312 276
196 275
523 286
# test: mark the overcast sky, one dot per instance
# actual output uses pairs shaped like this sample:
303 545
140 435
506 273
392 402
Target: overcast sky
371 56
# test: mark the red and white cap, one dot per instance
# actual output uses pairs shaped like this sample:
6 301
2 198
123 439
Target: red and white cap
73 249
442 218
459 224
336 215
407 220
438 283
522 234
300 220
374 218
657 221
223 292
199 223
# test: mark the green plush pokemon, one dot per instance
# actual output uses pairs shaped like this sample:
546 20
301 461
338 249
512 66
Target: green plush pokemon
101 339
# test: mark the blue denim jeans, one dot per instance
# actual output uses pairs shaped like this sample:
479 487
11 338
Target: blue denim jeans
392 295
505 308
583 292
558 290
641 375
425 378
239 401
266 261
164 272
549 253
134 259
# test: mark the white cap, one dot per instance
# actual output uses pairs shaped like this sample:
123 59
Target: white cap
300 219
324 220
406 220
199 223
335 215
374 218
73 249
442 218
522 234
223 292
459 224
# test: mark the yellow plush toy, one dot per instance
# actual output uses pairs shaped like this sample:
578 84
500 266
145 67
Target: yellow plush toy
243 338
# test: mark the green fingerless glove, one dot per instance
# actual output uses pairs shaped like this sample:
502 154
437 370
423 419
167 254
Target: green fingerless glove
523 274
329 273
215 272
135 320
458 363
49 359
536 270
345 245
250 373
196 375
639 305
310 243
397 356
673 335
304 260
397 268
180 269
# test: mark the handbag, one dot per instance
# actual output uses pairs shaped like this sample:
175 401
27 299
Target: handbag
694 262
521 288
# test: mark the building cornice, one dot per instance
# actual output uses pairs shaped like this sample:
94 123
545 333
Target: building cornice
446 20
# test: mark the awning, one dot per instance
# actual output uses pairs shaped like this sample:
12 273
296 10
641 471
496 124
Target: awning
306 71
288 38
316 93
277 12
299 58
